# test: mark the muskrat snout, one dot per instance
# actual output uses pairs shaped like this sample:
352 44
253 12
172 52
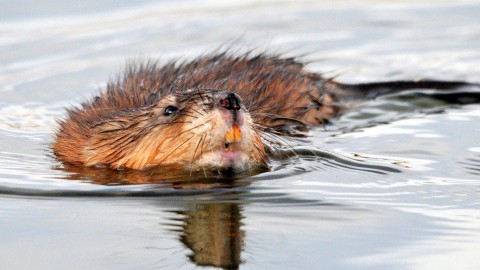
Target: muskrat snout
232 141
231 102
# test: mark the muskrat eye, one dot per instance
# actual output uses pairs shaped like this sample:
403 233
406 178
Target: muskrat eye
169 110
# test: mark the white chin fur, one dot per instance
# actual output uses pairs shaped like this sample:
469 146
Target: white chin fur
219 160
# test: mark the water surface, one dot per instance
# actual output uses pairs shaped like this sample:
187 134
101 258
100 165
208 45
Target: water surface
392 184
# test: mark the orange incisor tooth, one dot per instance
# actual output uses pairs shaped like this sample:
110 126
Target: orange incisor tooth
234 134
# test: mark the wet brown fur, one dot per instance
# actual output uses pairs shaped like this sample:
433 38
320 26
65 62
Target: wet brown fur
120 127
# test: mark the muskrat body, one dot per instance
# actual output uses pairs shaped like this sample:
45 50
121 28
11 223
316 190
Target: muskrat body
216 112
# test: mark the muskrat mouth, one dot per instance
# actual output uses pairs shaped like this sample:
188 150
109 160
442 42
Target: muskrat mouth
232 137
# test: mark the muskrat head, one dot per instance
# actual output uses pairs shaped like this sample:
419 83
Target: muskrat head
194 130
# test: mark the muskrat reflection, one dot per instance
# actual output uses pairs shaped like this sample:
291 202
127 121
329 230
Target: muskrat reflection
180 180
213 233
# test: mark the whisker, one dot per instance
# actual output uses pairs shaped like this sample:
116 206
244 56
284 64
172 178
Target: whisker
194 127
279 117
195 153
175 149
186 114
257 107
201 114
172 122
199 92
291 148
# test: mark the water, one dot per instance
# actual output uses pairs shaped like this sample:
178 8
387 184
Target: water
393 184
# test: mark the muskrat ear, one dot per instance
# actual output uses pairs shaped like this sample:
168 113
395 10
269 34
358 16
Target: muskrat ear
123 121
109 126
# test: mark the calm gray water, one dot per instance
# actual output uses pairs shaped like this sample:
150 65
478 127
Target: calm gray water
395 183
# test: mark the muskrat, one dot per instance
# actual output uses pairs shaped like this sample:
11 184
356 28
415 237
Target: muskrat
218 112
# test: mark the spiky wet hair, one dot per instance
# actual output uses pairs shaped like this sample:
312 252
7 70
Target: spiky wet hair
276 91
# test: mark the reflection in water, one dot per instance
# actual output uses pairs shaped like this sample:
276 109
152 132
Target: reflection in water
161 175
212 232
281 159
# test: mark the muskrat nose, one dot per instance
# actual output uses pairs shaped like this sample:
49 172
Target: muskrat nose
231 101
